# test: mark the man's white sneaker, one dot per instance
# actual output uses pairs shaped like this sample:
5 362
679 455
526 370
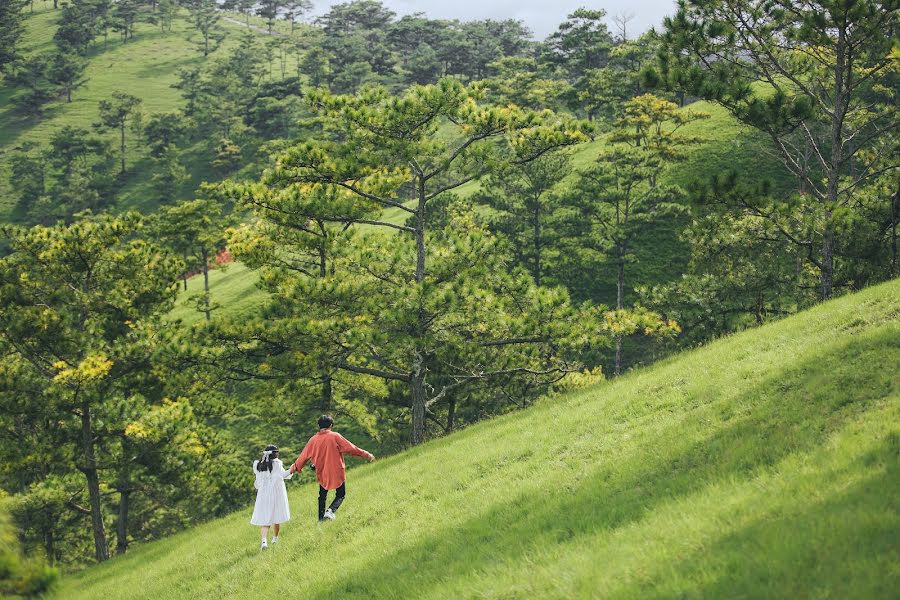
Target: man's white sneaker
329 514
264 546
274 540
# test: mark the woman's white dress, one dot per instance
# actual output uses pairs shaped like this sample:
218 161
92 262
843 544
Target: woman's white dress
271 495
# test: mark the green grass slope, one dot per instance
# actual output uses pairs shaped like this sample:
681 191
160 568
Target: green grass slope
763 465
146 67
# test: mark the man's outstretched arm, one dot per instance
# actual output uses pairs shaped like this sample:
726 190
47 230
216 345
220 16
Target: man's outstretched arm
346 447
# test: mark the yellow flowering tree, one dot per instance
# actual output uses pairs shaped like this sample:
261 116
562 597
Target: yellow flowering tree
80 309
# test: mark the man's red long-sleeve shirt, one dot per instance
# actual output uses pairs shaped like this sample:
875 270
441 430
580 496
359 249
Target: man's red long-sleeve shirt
326 450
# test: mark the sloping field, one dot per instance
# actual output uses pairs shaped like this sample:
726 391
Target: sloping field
763 465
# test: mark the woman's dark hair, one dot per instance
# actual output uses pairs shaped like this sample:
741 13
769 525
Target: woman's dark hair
270 454
325 421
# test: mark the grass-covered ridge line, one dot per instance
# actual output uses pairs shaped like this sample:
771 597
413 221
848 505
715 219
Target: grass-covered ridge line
147 67
763 465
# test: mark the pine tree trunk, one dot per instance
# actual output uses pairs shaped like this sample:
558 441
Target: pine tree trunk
620 303
620 282
417 382
122 520
204 254
618 366
834 171
451 414
760 304
101 550
417 393
537 241
327 394
827 275
122 146
49 545
895 215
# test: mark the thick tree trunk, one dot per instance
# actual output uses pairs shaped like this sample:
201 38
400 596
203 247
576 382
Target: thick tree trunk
101 550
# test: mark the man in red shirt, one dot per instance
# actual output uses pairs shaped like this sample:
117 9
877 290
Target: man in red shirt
326 451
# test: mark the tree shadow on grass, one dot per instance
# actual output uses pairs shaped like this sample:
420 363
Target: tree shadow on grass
842 547
793 411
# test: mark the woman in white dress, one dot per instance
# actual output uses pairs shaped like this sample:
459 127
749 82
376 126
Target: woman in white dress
271 509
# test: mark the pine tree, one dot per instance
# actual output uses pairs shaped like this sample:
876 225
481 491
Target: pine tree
431 308
816 78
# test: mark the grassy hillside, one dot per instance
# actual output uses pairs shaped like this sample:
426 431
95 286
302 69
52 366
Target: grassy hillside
145 67
764 465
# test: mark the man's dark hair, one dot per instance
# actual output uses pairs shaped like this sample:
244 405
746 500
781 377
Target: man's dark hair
325 421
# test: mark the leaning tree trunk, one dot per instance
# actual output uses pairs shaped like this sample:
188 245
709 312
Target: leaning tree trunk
101 550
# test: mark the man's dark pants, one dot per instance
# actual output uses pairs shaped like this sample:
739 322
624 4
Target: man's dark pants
336 504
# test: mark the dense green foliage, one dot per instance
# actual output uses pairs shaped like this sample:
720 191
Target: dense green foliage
764 465
434 222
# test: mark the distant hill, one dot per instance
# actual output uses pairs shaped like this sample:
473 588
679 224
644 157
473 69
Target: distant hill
145 67
764 465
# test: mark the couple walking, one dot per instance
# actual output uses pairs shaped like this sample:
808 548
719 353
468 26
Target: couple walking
325 453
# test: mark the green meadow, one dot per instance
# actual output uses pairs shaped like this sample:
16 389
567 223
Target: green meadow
763 465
